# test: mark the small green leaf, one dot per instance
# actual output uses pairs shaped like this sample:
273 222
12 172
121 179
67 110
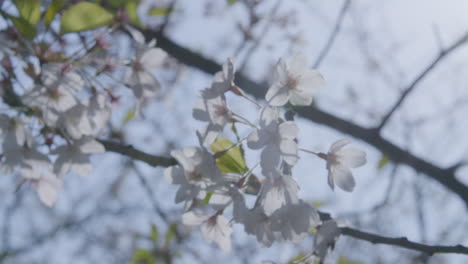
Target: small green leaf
383 162
297 258
170 234
130 115
30 10
231 2
84 16
318 204
24 27
143 256
52 10
230 161
207 198
159 11
345 261
131 8
154 233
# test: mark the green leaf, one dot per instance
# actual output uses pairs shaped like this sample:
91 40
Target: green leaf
297 258
131 8
130 115
52 10
159 11
383 162
143 256
171 233
24 27
231 2
207 198
230 161
30 10
154 233
84 16
342 260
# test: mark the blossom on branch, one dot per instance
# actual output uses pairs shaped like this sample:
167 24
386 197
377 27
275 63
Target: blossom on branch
294 82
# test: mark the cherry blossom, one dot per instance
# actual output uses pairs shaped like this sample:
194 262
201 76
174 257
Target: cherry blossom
339 161
197 170
223 81
213 227
294 82
277 191
56 93
76 156
216 113
276 138
47 187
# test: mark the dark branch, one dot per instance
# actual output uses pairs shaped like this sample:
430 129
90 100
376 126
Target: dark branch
333 34
443 54
446 177
130 151
403 242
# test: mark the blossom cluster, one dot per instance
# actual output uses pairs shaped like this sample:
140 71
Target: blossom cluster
215 197
59 106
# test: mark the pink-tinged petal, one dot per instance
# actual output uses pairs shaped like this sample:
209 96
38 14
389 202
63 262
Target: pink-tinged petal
182 159
83 169
338 145
268 115
351 157
281 71
310 82
342 177
300 98
298 64
47 189
277 95
288 130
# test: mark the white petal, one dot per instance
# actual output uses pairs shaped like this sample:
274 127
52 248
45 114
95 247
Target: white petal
175 175
47 189
298 64
219 231
288 149
342 177
193 219
351 157
92 146
153 58
338 145
83 168
300 98
277 95
288 130
257 139
310 82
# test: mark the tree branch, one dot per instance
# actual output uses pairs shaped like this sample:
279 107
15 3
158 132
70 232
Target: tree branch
130 151
443 54
334 33
444 176
403 242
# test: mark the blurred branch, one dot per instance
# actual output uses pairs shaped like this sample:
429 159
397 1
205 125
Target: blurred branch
334 33
130 151
444 176
403 242
442 54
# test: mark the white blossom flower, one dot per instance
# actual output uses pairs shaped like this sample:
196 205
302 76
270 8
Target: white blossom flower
216 113
278 140
223 81
339 161
294 82
294 220
213 227
277 191
325 238
255 221
147 58
197 170
76 156
57 92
